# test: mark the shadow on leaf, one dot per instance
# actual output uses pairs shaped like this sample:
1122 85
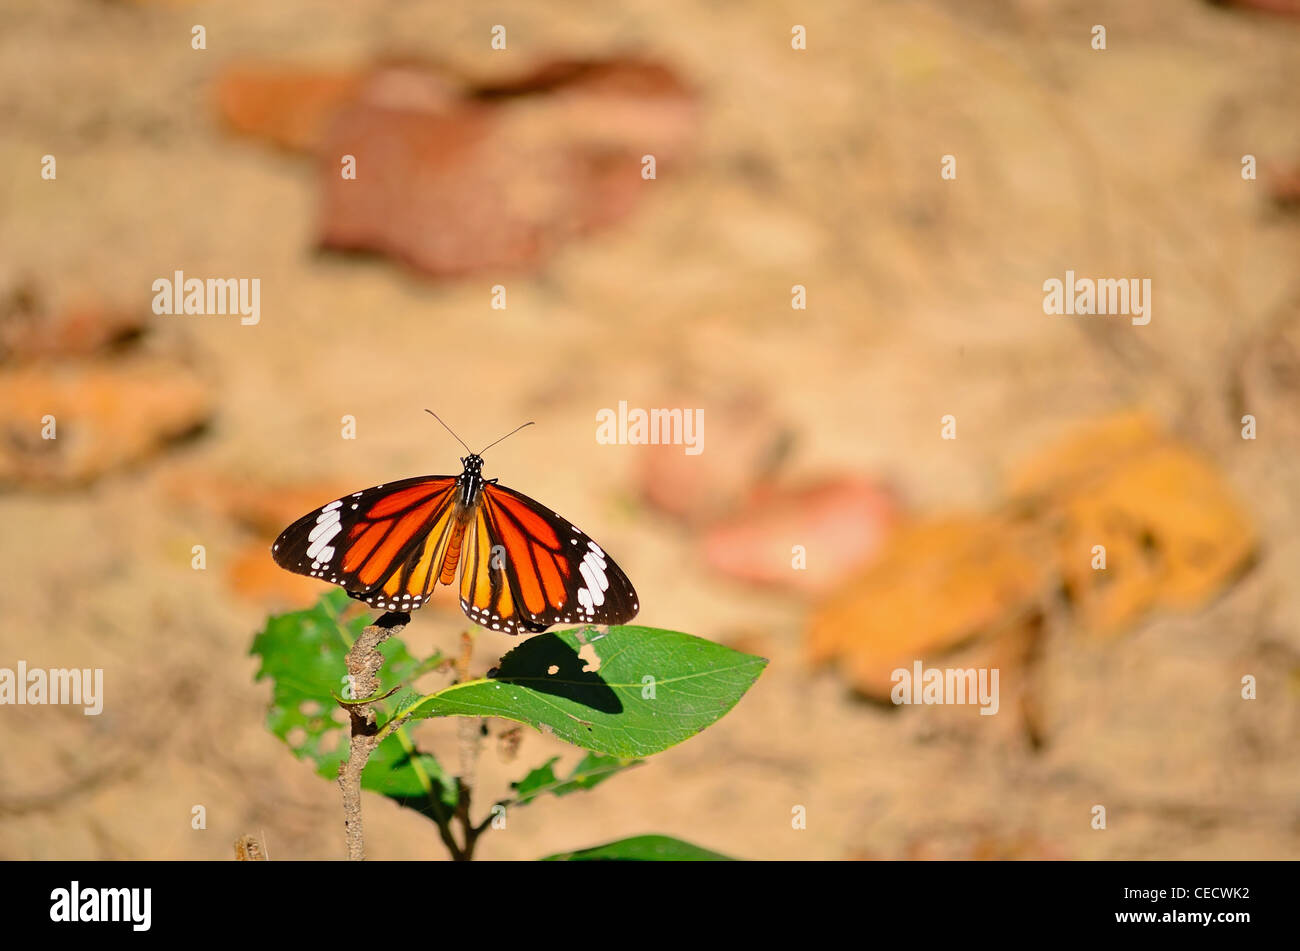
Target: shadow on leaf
546 664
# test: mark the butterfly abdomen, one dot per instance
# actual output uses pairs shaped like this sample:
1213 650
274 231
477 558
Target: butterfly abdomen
452 558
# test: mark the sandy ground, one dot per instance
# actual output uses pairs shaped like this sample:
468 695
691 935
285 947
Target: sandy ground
818 167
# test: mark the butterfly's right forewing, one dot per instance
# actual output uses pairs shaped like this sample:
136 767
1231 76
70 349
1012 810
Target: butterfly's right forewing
384 545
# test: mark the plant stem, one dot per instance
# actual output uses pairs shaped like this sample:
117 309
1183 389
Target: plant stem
364 662
470 735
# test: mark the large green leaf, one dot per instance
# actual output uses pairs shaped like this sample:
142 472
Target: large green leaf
652 689
592 770
304 653
642 848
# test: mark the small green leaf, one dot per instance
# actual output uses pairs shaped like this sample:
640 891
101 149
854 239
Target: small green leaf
592 770
651 690
642 848
304 653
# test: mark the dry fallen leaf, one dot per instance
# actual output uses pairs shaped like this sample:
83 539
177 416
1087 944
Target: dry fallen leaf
1286 8
1089 450
1173 532
839 523
287 107
1284 187
104 415
504 179
937 583
454 177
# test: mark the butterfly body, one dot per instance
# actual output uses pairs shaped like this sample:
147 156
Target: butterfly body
522 567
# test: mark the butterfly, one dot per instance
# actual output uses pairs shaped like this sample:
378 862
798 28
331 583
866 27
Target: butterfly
522 567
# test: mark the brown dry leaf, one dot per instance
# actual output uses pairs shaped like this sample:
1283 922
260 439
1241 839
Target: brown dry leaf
106 415
1285 8
454 177
500 181
1284 187
938 583
840 523
437 192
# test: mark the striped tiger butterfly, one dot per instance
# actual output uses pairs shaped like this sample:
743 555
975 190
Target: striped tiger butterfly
522 567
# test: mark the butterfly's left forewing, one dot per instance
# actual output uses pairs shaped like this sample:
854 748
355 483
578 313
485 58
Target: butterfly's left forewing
528 569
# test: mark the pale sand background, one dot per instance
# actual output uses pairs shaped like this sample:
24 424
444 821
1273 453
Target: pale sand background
819 168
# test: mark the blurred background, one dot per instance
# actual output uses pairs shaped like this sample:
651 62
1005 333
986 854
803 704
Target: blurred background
521 172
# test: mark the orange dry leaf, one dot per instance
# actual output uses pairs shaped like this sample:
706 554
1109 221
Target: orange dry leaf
1172 531
937 583
1165 521
101 415
289 108
1089 450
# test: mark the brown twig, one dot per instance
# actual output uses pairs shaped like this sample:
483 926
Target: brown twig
470 736
364 662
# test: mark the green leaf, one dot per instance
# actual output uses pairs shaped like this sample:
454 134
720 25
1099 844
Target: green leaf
304 653
642 848
652 690
592 770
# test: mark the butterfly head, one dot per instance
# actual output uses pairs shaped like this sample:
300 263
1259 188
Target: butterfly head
473 464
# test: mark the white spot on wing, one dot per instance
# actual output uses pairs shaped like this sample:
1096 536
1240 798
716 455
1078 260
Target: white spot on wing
597 567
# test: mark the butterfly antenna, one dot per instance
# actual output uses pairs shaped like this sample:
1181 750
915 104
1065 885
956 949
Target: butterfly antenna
450 430
506 436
